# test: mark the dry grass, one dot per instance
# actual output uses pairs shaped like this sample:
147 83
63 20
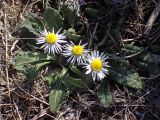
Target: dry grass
28 100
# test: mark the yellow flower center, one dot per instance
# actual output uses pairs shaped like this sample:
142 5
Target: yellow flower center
77 50
51 38
96 65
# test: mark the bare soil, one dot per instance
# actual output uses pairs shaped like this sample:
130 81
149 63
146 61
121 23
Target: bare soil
28 100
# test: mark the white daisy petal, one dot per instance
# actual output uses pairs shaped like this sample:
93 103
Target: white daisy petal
51 41
53 30
88 71
100 75
96 64
94 75
59 30
75 53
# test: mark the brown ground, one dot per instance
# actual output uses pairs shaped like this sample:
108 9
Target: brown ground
25 100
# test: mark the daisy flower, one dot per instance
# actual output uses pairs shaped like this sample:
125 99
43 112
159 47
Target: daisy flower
97 65
51 41
76 53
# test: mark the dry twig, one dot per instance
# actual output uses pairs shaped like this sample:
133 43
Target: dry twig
152 19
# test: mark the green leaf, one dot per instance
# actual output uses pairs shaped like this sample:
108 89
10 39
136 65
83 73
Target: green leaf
56 99
115 29
70 15
35 20
31 72
51 79
124 73
131 49
23 58
155 47
71 34
56 96
104 93
92 12
33 24
53 19
63 72
69 82
74 83
81 74
75 70
57 76
58 93
144 60
45 3
29 63
27 27
153 68
77 79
